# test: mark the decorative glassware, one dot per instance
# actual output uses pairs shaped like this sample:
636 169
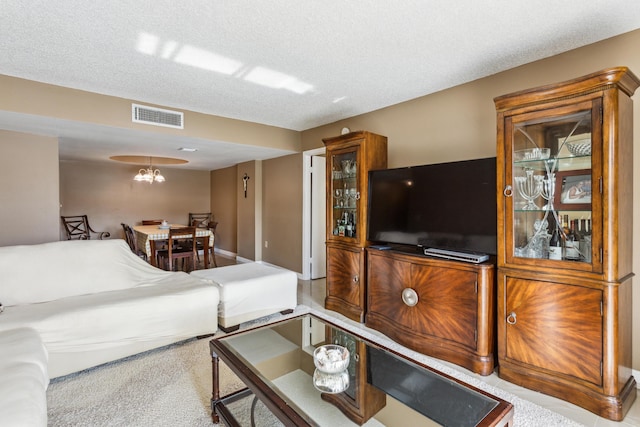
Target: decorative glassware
548 190
530 188
346 168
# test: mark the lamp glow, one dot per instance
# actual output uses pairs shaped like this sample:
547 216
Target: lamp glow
149 175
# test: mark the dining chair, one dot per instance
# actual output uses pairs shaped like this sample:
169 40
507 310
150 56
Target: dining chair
211 225
160 244
181 246
151 222
130 238
78 228
201 219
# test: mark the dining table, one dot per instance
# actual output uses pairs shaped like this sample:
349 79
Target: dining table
147 236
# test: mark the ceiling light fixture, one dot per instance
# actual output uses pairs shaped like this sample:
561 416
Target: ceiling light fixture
149 175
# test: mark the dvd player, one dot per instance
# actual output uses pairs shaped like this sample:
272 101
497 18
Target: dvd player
457 256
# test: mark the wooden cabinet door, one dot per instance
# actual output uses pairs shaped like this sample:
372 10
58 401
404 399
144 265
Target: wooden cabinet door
345 285
556 327
449 303
446 305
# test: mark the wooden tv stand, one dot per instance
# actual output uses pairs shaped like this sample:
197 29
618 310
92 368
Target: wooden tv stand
453 315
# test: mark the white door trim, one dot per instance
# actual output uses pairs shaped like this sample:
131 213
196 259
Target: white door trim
306 210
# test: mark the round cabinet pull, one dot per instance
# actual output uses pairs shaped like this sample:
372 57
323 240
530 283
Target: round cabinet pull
356 278
508 191
409 297
358 195
511 318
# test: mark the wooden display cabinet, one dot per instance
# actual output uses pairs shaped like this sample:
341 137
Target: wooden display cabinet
361 400
441 308
565 154
349 159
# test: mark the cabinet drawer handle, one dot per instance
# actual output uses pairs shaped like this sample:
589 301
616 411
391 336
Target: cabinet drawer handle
409 297
358 195
511 318
356 278
508 191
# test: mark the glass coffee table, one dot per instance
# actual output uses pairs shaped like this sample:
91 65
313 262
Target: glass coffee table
378 388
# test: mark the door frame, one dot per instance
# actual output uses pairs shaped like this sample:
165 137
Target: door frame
306 210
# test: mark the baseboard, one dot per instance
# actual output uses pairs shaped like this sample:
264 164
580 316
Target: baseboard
223 252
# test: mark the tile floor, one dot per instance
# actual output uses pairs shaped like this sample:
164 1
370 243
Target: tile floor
312 293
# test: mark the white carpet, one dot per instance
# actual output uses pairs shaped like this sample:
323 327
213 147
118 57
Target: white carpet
171 386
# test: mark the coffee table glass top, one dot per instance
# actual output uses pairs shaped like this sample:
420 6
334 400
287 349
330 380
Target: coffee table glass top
276 363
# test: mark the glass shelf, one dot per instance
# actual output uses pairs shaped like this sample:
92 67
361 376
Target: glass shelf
552 195
344 188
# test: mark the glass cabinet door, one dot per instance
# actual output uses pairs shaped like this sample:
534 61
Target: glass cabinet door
552 187
345 191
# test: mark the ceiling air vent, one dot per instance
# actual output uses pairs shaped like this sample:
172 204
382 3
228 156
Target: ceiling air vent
157 116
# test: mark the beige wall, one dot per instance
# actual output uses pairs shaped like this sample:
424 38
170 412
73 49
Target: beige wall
224 208
282 209
107 193
29 195
25 96
459 123
247 210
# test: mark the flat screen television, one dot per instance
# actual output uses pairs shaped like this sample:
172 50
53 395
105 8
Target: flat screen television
445 205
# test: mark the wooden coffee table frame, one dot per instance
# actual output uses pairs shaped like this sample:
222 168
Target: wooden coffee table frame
501 415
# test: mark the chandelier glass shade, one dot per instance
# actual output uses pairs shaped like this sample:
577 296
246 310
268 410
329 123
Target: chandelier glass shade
149 175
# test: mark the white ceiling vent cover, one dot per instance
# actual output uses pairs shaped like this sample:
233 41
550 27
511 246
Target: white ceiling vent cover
157 116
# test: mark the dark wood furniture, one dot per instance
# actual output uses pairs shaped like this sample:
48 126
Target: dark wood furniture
130 238
201 219
77 228
349 159
153 238
442 308
151 222
361 400
181 246
414 402
564 325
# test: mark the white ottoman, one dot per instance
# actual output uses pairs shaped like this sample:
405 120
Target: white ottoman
23 370
250 291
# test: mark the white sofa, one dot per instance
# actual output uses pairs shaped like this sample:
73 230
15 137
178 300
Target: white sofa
24 379
250 291
94 301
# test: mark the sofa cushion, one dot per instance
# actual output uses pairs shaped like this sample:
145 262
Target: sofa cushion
23 370
180 308
250 291
50 271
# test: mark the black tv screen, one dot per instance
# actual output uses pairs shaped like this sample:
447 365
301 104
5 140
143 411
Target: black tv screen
446 205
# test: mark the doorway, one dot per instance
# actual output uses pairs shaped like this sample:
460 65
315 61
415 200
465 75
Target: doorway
314 263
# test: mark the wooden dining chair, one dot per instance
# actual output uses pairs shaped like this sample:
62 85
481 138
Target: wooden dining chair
78 228
181 246
151 222
160 244
211 225
200 220
130 238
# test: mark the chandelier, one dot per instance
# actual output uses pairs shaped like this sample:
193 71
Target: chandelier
149 175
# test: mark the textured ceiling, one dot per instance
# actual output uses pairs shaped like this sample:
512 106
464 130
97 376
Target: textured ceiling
287 63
